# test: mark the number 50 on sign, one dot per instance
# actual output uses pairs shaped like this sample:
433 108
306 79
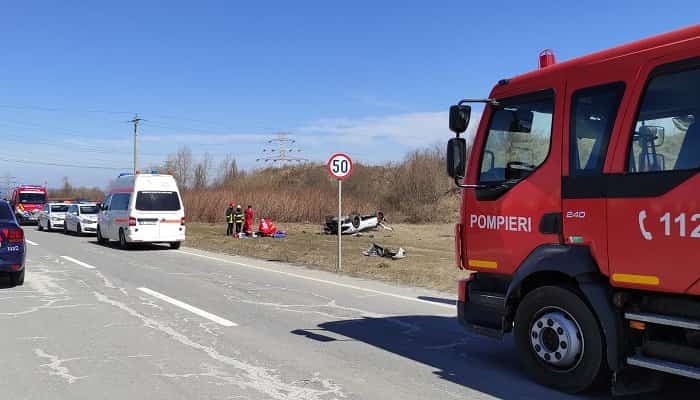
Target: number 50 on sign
339 166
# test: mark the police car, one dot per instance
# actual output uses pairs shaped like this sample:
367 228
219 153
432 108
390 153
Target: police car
52 216
12 246
81 218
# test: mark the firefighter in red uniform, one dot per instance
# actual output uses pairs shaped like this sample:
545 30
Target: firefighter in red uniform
249 215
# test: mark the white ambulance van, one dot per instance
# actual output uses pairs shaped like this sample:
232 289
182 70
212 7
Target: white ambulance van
142 208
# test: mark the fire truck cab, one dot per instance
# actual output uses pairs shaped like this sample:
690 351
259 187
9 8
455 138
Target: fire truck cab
580 215
27 202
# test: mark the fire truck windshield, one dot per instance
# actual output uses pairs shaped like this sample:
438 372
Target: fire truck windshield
32 198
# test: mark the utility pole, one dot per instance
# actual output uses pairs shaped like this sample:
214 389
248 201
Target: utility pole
136 121
282 151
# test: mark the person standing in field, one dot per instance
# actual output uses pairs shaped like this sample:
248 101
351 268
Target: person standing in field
238 219
229 219
249 215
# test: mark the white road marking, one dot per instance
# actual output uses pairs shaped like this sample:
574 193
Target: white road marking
30 242
379 292
73 260
192 309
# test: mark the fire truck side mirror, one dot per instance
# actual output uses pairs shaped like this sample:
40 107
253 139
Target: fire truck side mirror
459 118
456 157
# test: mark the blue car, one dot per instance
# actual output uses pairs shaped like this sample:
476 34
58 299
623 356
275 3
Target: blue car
12 246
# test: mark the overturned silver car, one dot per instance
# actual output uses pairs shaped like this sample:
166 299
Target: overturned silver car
354 223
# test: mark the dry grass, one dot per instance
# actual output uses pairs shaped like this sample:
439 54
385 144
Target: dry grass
414 190
429 262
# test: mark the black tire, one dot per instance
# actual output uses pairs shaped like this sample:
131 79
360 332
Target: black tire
78 229
123 244
356 221
175 245
567 307
39 227
17 278
65 228
100 239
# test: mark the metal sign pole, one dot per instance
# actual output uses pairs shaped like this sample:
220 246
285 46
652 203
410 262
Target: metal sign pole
340 222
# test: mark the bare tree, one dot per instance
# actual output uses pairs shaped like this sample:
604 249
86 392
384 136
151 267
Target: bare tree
201 172
180 164
228 171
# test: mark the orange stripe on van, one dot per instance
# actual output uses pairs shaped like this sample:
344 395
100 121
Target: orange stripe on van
120 220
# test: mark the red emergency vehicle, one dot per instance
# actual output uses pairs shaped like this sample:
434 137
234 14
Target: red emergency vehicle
27 201
580 216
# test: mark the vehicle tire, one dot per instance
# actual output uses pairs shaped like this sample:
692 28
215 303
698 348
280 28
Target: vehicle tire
356 221
39 227
123 244
100 239
78 229
175 245
17 278
65 228
559 339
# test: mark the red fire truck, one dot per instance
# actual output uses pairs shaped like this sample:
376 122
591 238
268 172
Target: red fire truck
580 215
27 201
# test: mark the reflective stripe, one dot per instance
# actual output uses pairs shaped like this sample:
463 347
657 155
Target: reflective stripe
637 279
483 264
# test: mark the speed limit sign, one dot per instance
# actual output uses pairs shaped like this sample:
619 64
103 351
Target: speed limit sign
340 166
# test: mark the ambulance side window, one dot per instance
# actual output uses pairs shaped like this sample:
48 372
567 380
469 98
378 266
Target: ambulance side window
593 113
120 202
666 135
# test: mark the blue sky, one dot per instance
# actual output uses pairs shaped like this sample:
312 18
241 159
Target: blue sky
370 79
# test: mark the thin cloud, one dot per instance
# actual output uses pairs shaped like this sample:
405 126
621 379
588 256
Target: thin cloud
411 129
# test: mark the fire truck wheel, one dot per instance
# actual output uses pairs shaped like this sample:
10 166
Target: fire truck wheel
559 339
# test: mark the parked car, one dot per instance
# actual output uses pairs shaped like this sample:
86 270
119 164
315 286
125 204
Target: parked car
12 246
143 208
81 218
52 216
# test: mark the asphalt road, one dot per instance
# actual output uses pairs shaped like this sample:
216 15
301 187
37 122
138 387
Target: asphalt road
94 322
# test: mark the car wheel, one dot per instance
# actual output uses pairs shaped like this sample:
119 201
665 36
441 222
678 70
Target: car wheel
17 278
100 239
65 228
123 244
39 226
559 339
78 229
175 245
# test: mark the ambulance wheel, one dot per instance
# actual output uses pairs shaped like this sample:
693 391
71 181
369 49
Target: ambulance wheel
559 339
175 245
123 244
100 239
17 278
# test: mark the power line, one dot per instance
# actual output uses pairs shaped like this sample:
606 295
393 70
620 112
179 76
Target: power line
57 164
55 109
